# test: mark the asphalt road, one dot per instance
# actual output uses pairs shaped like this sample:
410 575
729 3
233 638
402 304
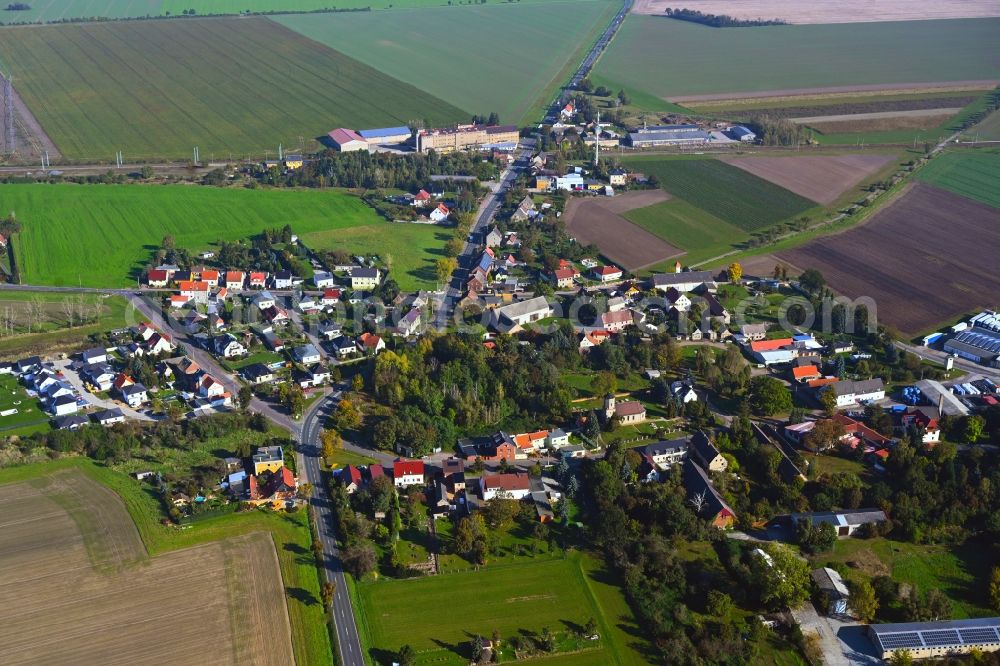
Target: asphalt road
348 641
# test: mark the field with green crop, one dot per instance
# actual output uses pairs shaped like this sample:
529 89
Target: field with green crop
989 129
692 229
518 599
507 58
975 175
104 235
671 59
58 10
229 86
730 194
410 250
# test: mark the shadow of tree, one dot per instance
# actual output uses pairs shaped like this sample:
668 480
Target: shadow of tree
301 595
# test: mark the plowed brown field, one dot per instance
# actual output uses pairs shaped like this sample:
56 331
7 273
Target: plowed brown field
821 178
926 258
598 220
81 590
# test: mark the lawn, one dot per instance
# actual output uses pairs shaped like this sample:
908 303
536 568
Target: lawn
670 59
520 599
410 250
972 174
55 322
688 227
156 89
125 224
961 572
730 194
508 58
291 534
29 410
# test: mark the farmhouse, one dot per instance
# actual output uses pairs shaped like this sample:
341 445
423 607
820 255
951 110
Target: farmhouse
614 322
384 136
510 318
468 137
346 140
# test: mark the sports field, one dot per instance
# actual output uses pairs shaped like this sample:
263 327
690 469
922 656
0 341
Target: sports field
64 532
508 58
230 86
520 599
676 59
410 250
972 174
104 235
732 195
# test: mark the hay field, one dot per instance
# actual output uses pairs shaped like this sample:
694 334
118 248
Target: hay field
88 594
232 86
508 58
675 60
832 11
820 178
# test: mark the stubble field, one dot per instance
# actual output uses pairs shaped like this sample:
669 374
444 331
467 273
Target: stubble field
926 258
87 593
231 86
820 178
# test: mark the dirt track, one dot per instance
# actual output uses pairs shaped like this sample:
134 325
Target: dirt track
32 141
820 178
831 11
926 258
598 220
873 87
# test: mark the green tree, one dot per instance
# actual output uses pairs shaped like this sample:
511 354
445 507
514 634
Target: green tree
862 601
812 281
782 579
995 588
245 396
769 396
357 383
972 428
604 383
406 656
829 402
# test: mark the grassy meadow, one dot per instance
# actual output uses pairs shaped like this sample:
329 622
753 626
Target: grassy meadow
156 89
667 58
508 58
410 250
731 195
51 322
105 235
972 174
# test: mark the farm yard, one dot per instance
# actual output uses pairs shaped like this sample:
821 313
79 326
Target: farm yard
832 11
710 62
123 225
733 195
523 599
820 178
599 221
541 43
65 532
411 250
156 89
925 259
972 174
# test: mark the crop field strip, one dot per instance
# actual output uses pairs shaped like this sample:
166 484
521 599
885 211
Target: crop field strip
713 61
926 257
731 194
158 88
123 617
820 178
124 224
971 174
470 69
832 11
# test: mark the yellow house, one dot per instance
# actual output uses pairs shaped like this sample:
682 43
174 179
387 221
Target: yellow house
268 459
294 162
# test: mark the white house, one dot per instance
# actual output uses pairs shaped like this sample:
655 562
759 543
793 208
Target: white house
516 486
306 355
64 404
210 387
510 318
134 395
571 181
557 439
407 473
363 277
409 324
264 300
227 346
439 214
666 453
683 392
849 392
323 279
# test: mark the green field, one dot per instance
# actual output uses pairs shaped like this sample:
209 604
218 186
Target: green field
506 58
972 174
410 250
104 235
688 227
57 10
514 599
989 129
291 534
668 58
229 86
732 195
29 410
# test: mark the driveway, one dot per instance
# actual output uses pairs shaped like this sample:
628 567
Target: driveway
73 379
843 641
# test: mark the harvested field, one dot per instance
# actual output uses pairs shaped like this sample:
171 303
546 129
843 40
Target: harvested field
761 265
850 103
599 221
68 553
821 178
926 258
832 11
884 124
